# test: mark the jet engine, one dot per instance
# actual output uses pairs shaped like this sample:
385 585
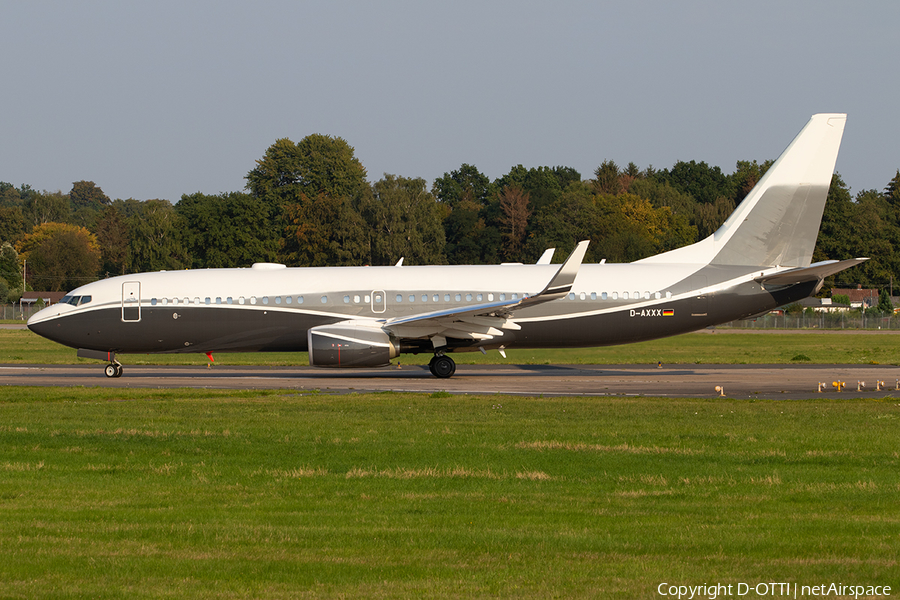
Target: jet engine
350 344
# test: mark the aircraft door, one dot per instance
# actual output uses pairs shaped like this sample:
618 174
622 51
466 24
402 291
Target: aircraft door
131 301
378 301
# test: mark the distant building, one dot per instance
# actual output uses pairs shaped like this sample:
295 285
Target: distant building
859 297
49 298
823 305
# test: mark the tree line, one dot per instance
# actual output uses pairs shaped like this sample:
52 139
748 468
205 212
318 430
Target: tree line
310 204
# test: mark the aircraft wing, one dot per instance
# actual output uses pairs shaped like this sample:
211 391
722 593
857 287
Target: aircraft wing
484 321
814 272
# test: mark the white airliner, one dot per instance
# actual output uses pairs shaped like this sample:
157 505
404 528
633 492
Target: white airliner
759 259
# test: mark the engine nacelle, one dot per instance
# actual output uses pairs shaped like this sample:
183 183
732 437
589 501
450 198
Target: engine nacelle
350 344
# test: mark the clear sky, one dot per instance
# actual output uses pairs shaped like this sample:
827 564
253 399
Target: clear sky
159 99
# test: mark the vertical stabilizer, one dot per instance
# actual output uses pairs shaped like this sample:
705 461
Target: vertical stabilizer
778 222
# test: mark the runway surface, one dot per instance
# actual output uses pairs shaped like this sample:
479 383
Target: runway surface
789 382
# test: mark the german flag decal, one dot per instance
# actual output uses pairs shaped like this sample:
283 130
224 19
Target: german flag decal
668 312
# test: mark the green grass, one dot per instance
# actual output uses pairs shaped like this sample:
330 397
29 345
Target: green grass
22 346
191 493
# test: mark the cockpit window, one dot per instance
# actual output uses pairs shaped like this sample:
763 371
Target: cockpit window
73 300
84 300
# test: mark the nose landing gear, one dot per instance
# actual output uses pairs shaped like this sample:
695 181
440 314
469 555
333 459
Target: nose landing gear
442 366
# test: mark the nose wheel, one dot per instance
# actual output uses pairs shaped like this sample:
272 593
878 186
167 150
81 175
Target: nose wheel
442 366
113 370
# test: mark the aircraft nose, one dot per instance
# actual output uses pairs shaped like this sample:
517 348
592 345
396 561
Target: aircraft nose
43 322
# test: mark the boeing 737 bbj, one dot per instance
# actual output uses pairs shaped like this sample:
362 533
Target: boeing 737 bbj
757 260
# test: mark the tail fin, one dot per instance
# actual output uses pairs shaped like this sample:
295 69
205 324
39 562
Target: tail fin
778 222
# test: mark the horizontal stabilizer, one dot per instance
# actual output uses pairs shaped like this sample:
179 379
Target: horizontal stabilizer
814 272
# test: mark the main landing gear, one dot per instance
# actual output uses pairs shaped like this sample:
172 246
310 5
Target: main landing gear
442 366
113 369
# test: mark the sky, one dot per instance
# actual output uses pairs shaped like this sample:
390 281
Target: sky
159 99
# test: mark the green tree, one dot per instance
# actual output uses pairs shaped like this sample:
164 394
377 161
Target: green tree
324 231
40 208
471 219
884 302
112 235
228 230
318 164
156 234
701 181
405 221
12 223
10 266
892 189
60 256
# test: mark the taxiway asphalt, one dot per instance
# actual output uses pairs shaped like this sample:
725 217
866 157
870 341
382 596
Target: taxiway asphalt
788 382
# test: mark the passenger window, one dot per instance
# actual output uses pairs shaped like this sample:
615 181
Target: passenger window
436 298
514 297
572 296
502 297
593 295
615 295
252 299
424 297
152 301
668 295
446 297
412 298
287 299
241 300
490 297
657 295
218 299
346 299
165 301
604 296
583 296
207 301
323 299
299 299
468 297
637 295
228 300
265 299
278 299
646 295
399 298
458 297
356 299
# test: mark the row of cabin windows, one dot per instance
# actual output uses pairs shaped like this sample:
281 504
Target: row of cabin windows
229 300
287 300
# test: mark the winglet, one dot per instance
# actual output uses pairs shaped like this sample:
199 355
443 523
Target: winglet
562 282
546 257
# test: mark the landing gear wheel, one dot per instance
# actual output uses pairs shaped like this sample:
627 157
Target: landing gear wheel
442 366
113 370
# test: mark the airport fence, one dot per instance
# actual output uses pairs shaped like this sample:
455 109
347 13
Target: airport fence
852 319
17 312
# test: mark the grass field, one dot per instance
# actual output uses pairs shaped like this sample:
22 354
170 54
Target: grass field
201 494
22 346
